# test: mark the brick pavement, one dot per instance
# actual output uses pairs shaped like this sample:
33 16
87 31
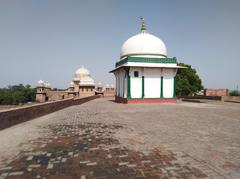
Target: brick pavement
89 150
102 139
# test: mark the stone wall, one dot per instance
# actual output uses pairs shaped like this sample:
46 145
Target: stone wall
109 92
14 116
57 95
216 92
201 97
231 99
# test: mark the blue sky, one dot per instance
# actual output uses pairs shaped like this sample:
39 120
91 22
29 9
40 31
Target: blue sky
51 39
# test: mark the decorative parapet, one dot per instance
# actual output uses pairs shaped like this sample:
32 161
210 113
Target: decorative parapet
146 60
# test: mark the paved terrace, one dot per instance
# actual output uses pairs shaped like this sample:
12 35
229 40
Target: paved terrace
103 139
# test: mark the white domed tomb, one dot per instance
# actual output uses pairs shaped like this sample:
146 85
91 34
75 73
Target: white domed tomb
144 72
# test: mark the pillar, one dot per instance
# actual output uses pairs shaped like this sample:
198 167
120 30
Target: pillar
161 95
174 87
143 87
129 87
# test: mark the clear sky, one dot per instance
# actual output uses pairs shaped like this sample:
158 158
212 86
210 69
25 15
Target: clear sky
51 39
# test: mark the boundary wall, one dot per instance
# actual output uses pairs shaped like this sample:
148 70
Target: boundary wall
231 99
215 92
14 116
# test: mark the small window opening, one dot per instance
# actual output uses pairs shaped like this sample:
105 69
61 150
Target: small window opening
135 73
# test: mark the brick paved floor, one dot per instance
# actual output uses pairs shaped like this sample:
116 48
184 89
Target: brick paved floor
102 139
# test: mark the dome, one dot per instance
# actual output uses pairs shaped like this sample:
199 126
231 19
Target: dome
48 85
99 84
41 83
83 76
81 72
71 84
144 44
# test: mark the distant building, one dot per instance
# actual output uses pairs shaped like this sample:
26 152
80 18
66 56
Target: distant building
106 91
144 73
82 86
42 90
109 91
216 92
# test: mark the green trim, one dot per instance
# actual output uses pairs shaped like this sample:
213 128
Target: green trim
174 87
146 60
129 87
143 94
161 93
125 60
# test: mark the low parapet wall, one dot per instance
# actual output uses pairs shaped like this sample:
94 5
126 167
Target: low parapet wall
231 99
11 117
201 97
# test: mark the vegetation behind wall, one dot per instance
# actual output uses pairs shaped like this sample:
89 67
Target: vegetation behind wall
188 81
234 93
17 94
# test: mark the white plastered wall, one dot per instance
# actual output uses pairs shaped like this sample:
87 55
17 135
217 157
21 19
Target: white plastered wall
121 83
168 82
117 87
152 82
136 83
125 85
116 73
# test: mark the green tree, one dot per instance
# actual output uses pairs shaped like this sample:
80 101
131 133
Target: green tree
234 93
17 94
188 81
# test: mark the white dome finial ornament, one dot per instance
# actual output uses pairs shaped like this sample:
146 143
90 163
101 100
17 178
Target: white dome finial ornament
143 27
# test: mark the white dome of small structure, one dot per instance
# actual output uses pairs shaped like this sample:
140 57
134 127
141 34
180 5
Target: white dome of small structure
48 85
144 44
71 84
81 72
83 75
99 84
41 83
76 79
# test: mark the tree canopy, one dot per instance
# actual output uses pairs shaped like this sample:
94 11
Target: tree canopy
17 94
188 81
234 93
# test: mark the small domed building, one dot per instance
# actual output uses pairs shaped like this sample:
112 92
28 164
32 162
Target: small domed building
42 90
144 72
83 84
